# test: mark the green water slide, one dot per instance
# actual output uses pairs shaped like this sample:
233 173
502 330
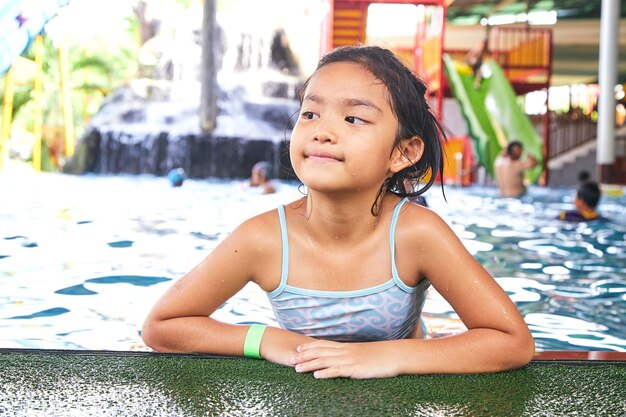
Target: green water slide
492 113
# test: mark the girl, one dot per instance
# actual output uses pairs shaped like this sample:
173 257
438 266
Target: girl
346 267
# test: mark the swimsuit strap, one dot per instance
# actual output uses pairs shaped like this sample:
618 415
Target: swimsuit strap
285 255
392 246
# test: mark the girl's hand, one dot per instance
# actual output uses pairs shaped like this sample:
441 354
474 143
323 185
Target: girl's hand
328 359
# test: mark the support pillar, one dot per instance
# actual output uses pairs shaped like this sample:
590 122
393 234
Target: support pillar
607 76
209 93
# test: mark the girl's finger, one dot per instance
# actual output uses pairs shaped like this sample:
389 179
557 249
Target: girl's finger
333 372
314 353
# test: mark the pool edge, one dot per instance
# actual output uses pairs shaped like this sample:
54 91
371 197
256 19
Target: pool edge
580 355
541 356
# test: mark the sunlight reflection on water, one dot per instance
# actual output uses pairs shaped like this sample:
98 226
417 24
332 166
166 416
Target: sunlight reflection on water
82 259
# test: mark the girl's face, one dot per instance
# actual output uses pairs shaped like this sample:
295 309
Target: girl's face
345 133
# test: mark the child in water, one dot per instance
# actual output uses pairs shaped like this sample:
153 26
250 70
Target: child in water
259 177
346 267
585 202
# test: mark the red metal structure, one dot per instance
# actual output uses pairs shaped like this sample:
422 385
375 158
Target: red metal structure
525 55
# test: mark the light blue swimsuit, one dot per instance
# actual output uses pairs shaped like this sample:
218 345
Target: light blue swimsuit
387 311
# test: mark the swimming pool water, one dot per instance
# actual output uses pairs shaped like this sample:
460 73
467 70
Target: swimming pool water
83 258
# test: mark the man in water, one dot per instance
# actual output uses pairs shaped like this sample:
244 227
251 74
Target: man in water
510 168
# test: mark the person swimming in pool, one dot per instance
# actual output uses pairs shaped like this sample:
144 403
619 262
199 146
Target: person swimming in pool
510 168
585 203
346 267
259 177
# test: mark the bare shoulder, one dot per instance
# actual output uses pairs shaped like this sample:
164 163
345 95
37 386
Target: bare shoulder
255 247
419 221
424 242
259 230
421 228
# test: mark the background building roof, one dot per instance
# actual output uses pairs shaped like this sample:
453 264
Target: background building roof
474 10
576 34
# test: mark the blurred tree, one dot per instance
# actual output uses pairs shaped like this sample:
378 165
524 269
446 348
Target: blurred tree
96 67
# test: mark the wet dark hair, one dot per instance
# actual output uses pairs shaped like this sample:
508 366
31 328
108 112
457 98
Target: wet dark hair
584 176
512 145
407 98
589 193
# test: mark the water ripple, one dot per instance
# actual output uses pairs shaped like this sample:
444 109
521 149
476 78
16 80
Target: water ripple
82 271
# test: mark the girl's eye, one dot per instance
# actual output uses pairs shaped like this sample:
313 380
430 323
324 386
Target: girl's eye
355 120
309 115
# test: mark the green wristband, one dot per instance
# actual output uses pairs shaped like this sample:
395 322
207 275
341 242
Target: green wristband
252 344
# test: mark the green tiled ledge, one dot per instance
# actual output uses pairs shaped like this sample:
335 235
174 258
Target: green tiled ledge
52 382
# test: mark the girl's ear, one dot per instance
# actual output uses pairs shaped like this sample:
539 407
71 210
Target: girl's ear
407 153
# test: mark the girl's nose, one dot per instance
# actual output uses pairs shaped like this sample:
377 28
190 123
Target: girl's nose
324 134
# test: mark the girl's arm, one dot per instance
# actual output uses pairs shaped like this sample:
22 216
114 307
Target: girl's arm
497 338
180 322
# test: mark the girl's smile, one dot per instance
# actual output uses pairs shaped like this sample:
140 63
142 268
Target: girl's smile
322 156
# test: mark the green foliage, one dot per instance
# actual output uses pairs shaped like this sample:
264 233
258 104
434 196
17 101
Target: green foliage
96 66
21 96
